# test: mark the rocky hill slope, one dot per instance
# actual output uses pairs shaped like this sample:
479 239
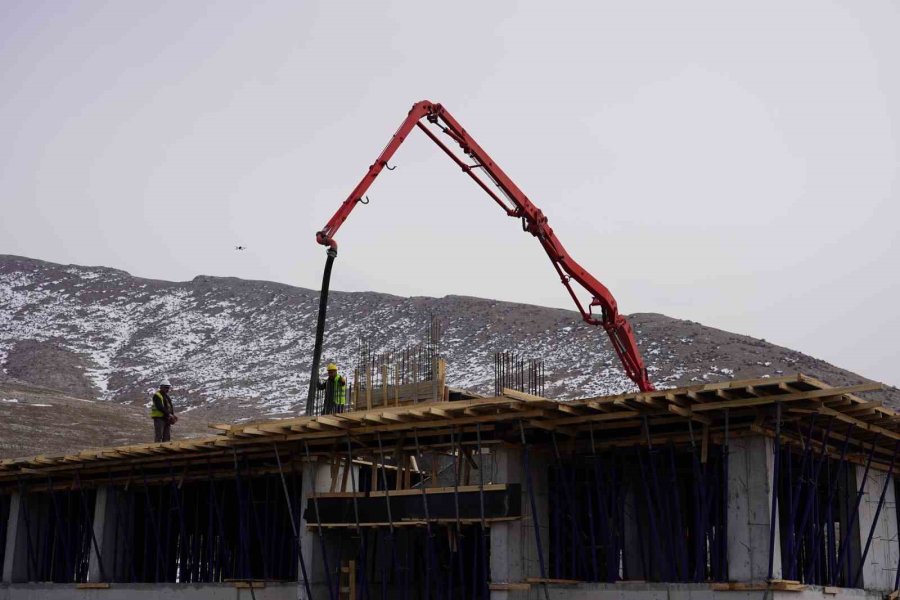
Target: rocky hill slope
240 349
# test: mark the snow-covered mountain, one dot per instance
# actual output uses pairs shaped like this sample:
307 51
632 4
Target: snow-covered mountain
237 348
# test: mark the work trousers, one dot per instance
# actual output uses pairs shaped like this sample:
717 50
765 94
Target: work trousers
161 429
330 408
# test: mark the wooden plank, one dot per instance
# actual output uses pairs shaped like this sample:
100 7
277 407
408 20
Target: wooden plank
689 414
509 587
761 400
553 581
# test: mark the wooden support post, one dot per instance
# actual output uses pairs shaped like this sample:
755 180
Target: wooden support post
368 387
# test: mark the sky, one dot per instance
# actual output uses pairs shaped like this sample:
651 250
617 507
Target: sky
731 163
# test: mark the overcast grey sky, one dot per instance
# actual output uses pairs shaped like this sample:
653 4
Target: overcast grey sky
733 163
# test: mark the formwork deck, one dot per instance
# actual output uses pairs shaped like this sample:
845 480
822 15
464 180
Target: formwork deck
812 412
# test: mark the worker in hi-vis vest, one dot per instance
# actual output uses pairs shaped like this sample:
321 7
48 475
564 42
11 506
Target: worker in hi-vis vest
162 412
335 387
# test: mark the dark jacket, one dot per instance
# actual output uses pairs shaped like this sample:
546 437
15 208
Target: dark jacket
330 389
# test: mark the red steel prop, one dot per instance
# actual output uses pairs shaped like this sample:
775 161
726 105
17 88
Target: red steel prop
533 221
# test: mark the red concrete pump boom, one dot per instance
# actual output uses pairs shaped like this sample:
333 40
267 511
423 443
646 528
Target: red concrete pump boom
533 221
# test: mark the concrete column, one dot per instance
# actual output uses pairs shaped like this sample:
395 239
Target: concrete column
751 463
635 540
108 535
316 478
15 552
514 554
880 565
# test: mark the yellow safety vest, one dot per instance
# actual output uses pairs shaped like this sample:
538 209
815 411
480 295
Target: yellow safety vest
155 413
340 391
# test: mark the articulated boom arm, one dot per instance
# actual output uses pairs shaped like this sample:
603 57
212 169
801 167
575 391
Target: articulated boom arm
516 204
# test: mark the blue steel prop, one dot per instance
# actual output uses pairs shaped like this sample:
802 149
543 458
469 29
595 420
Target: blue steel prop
723 505
811 497
459 535
606 529
589 497
817 540
176 497
429 534
700 510
795 493
89 520
387 503
361 553
679 547
58 533
31 566
776 483
483 532
851 520
666 561
243 526
577 551
534 514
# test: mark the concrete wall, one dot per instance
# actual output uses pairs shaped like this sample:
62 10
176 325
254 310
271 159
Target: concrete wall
750 482
880 566
147 591
691 591
513 551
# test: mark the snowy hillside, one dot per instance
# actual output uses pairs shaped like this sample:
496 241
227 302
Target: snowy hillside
100 333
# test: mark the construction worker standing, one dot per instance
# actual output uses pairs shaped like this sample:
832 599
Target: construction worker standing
162 412
335 387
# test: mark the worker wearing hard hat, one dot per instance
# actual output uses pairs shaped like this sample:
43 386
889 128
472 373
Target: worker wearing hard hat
335 387
162 412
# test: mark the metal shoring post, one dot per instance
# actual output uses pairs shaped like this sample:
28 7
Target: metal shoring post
243 524
795 497
362 540
387 500
842 553
887 482
63 539
700 525
429 540
675 526
651 504
148 504
120 518
89 523
723 524
206 572
570 500
616 478
817 540
534 515
459 535
176 495
287 500
810 500
29 547
331 589
217 564
254 515
776 480
485 565
594 565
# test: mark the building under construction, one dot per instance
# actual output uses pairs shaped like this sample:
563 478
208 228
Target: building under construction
777 486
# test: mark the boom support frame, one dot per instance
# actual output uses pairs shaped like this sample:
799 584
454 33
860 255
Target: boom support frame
517 205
